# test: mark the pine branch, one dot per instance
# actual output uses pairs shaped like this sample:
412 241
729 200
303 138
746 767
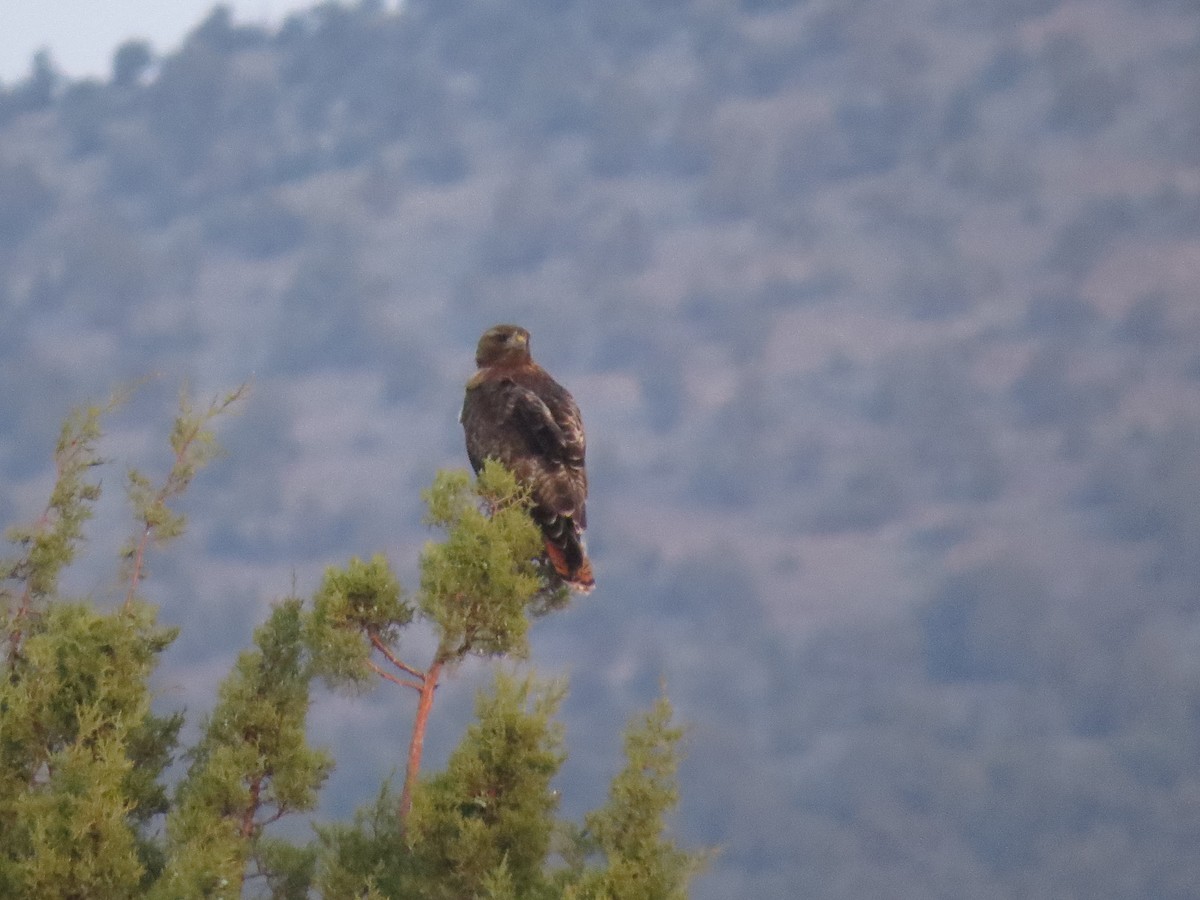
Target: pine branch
193 445
50 543
394 679
248 824
387 654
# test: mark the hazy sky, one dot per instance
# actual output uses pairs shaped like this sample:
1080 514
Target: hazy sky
82 34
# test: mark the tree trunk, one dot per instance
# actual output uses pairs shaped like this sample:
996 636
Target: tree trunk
416 746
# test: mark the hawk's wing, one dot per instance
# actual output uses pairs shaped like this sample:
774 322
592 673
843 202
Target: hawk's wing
536 421
536 431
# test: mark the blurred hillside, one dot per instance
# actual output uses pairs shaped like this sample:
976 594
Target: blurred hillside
883 319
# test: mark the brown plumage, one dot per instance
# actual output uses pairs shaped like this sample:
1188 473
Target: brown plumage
515 413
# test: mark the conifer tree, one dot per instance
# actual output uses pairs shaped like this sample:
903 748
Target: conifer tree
628 832
484 824
252 766
82 800
49 545
478 589
488 818
81 751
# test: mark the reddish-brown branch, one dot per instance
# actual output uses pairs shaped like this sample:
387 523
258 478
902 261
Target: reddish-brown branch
384 673
26 602
18 623
275 816
43 522
378 644
249 825
139 562
251 807
417 744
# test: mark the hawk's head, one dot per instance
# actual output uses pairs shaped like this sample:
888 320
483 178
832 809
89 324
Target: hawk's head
502 344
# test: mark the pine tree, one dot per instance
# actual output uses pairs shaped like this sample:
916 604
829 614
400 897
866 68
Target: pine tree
81 751
489 818
80 754
486 821
252 766
49 545
84 811
479 587
628 833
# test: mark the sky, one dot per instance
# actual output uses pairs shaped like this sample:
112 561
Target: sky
81 35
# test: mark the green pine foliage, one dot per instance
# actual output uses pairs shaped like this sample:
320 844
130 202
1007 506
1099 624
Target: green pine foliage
80 754
481 826
480 587
628 834
485 824
367 857
252 766
479 584
355 611
85 808
50 544
193 445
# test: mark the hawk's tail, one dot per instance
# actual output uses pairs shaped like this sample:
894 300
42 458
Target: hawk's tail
569 558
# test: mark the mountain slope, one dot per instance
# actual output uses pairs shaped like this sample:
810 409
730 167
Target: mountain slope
882 320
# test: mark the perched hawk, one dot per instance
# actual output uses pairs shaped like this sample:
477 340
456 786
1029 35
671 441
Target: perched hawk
515 413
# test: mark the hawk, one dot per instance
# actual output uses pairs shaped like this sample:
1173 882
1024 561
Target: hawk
515 413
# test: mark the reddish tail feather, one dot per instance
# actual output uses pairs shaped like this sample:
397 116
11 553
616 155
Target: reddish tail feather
579 577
